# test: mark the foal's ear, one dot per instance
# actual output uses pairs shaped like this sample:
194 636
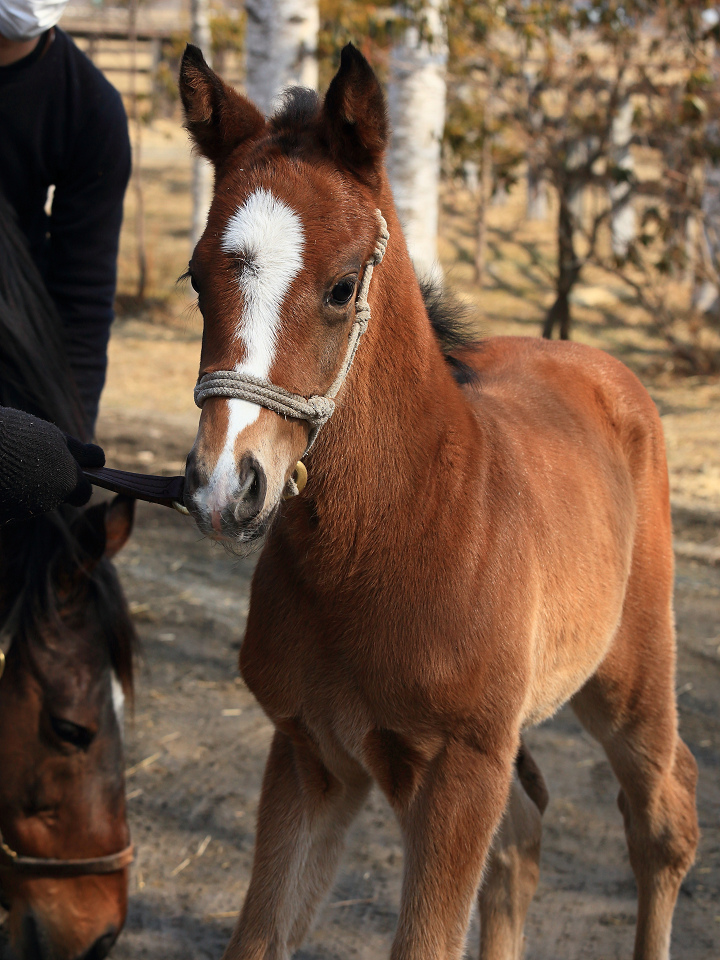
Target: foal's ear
216 116
354 118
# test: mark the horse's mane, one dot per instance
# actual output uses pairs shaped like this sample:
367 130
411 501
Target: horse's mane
453 327
297 107
35 376
36 555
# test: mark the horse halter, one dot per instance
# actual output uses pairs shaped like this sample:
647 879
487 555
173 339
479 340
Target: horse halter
318 409
51 867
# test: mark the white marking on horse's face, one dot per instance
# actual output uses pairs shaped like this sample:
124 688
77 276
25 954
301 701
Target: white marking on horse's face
267 237
118 702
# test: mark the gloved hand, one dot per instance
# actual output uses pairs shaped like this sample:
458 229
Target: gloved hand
41 467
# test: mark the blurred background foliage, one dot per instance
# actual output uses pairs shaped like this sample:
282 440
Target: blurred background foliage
606 113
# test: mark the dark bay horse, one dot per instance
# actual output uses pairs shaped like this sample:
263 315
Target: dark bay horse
478 542
64 844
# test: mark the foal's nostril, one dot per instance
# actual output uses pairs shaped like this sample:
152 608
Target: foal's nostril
102 946
252 486
194 478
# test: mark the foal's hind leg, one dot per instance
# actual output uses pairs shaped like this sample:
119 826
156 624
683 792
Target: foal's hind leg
629 706
513 866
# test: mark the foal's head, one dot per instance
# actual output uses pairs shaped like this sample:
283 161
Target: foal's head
276 271
62 790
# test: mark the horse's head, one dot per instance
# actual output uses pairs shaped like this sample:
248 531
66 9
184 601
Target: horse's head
62 793
290 230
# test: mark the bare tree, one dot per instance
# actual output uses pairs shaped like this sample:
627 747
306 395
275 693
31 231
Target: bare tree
623 223
281 45
137 153
416 100
201 169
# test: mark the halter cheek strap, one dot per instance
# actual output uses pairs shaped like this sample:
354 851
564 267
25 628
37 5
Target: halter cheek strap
318 409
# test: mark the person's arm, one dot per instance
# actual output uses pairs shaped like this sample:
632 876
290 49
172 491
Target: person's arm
84 235
41 467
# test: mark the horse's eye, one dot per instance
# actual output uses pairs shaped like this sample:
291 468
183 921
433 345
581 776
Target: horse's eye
193 284
73 733
342 292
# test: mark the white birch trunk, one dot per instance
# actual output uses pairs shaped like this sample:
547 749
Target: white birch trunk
623 223
536 204
706 296
537 200
202 180
577 156
416 101
281 44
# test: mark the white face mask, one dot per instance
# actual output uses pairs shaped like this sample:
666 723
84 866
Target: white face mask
25 19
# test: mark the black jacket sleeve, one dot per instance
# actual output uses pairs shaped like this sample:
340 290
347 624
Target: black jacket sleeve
84 235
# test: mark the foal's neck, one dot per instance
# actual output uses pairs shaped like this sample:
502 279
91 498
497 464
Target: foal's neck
402 425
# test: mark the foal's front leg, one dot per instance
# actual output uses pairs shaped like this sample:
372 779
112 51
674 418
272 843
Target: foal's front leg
448 827
302 821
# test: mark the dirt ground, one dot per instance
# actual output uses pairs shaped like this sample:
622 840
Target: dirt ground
197 742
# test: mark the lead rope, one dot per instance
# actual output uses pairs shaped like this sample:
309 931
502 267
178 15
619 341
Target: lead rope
318 409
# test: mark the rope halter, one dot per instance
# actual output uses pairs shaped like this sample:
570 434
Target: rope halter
318 409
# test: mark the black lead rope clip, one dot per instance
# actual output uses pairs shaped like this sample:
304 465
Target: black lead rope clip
167 491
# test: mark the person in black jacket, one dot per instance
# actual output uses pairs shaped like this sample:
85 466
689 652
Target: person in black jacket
64 167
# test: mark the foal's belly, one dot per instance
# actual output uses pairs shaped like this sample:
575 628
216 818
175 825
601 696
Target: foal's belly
568 651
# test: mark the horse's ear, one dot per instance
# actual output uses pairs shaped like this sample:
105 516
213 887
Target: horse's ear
103 530
216 116
119 518
354 120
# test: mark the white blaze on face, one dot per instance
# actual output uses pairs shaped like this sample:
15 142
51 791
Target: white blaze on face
267 237
118 702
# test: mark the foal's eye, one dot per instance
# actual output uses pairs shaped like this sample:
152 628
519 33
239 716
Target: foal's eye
188 275
72 733
342 292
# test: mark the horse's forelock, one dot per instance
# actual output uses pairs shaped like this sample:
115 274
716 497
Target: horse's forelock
34 553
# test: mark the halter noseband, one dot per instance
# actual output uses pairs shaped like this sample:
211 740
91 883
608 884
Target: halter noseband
50 867
316 410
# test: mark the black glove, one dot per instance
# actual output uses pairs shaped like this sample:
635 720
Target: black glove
41 467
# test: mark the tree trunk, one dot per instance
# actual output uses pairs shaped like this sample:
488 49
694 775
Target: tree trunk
623 225
416 101
706 294
281 45
201 169
568 272
137 155
484 192
537 205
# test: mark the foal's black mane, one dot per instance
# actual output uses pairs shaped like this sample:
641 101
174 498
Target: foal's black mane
451 323
35 376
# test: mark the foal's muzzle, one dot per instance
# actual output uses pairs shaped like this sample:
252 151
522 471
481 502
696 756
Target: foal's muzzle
242 508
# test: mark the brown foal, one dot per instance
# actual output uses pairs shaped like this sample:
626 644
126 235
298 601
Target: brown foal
463 560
